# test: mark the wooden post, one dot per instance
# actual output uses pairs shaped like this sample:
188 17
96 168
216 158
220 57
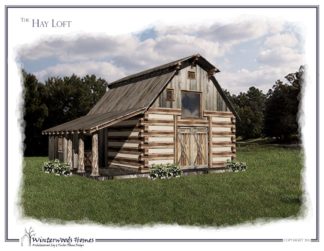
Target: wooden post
94 161
175 117
69 151
64 148
55 146
51 147
105 143
233 129
75 148
210 142
81 154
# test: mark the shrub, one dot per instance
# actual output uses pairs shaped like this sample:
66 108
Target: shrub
165 171
56 167
236 166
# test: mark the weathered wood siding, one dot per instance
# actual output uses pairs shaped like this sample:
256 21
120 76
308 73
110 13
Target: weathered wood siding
51 147
222 137
192 145
124 144
75 150
212 100
161 137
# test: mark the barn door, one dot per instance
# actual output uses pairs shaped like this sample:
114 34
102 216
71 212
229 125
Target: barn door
192 147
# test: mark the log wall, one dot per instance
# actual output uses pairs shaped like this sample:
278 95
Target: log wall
124 145
161 130
159 136
222 137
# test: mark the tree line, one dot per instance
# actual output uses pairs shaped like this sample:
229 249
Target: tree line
274 114
60 99
57 100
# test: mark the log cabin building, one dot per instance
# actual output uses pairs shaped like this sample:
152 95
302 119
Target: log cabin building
173 113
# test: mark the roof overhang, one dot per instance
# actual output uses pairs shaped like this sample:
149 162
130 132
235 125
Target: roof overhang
224 96
91 123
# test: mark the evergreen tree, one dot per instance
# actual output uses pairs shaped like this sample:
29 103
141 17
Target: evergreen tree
35 113
281 113
250 108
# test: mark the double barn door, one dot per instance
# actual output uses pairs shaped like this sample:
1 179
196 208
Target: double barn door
192 146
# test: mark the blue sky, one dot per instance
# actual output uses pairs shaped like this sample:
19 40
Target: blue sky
248 53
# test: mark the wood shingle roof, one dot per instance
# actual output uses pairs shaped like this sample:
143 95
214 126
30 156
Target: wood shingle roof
130 96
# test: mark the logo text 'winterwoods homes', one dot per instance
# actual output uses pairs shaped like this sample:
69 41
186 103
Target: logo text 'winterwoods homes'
40 241
60 242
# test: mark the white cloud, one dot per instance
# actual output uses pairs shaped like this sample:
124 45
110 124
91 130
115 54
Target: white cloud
216 39
281 40
263 77
185 45
281 50
280 56
100 69
112 57
82 47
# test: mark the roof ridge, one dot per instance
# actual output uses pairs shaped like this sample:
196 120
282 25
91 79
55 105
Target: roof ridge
156 69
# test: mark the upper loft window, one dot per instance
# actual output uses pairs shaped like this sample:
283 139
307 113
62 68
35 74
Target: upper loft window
191 75
190 104
169 95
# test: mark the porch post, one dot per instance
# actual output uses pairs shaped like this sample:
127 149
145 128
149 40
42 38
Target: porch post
51 147
210 142
64 148
55 146
81 154
69 151
94 161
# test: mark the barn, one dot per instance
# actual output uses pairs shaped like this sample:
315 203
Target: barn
173 113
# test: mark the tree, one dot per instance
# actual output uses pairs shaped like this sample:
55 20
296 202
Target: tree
29 234
71 97
35 113
57 101
282 107
250 108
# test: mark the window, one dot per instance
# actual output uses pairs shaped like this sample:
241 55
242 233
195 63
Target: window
170 95
191 75
190 104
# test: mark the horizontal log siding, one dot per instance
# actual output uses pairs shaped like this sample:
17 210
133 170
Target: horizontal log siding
221 129
160 161
223 145
123 144
160 144
222 139
222 149
123 133
159 136
160 151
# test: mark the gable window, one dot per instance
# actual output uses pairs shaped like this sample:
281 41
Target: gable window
191 75
170 95
190 104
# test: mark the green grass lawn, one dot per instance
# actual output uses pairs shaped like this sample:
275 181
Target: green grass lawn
270 188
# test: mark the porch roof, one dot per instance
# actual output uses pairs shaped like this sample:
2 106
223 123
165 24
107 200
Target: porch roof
117 104
94 122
